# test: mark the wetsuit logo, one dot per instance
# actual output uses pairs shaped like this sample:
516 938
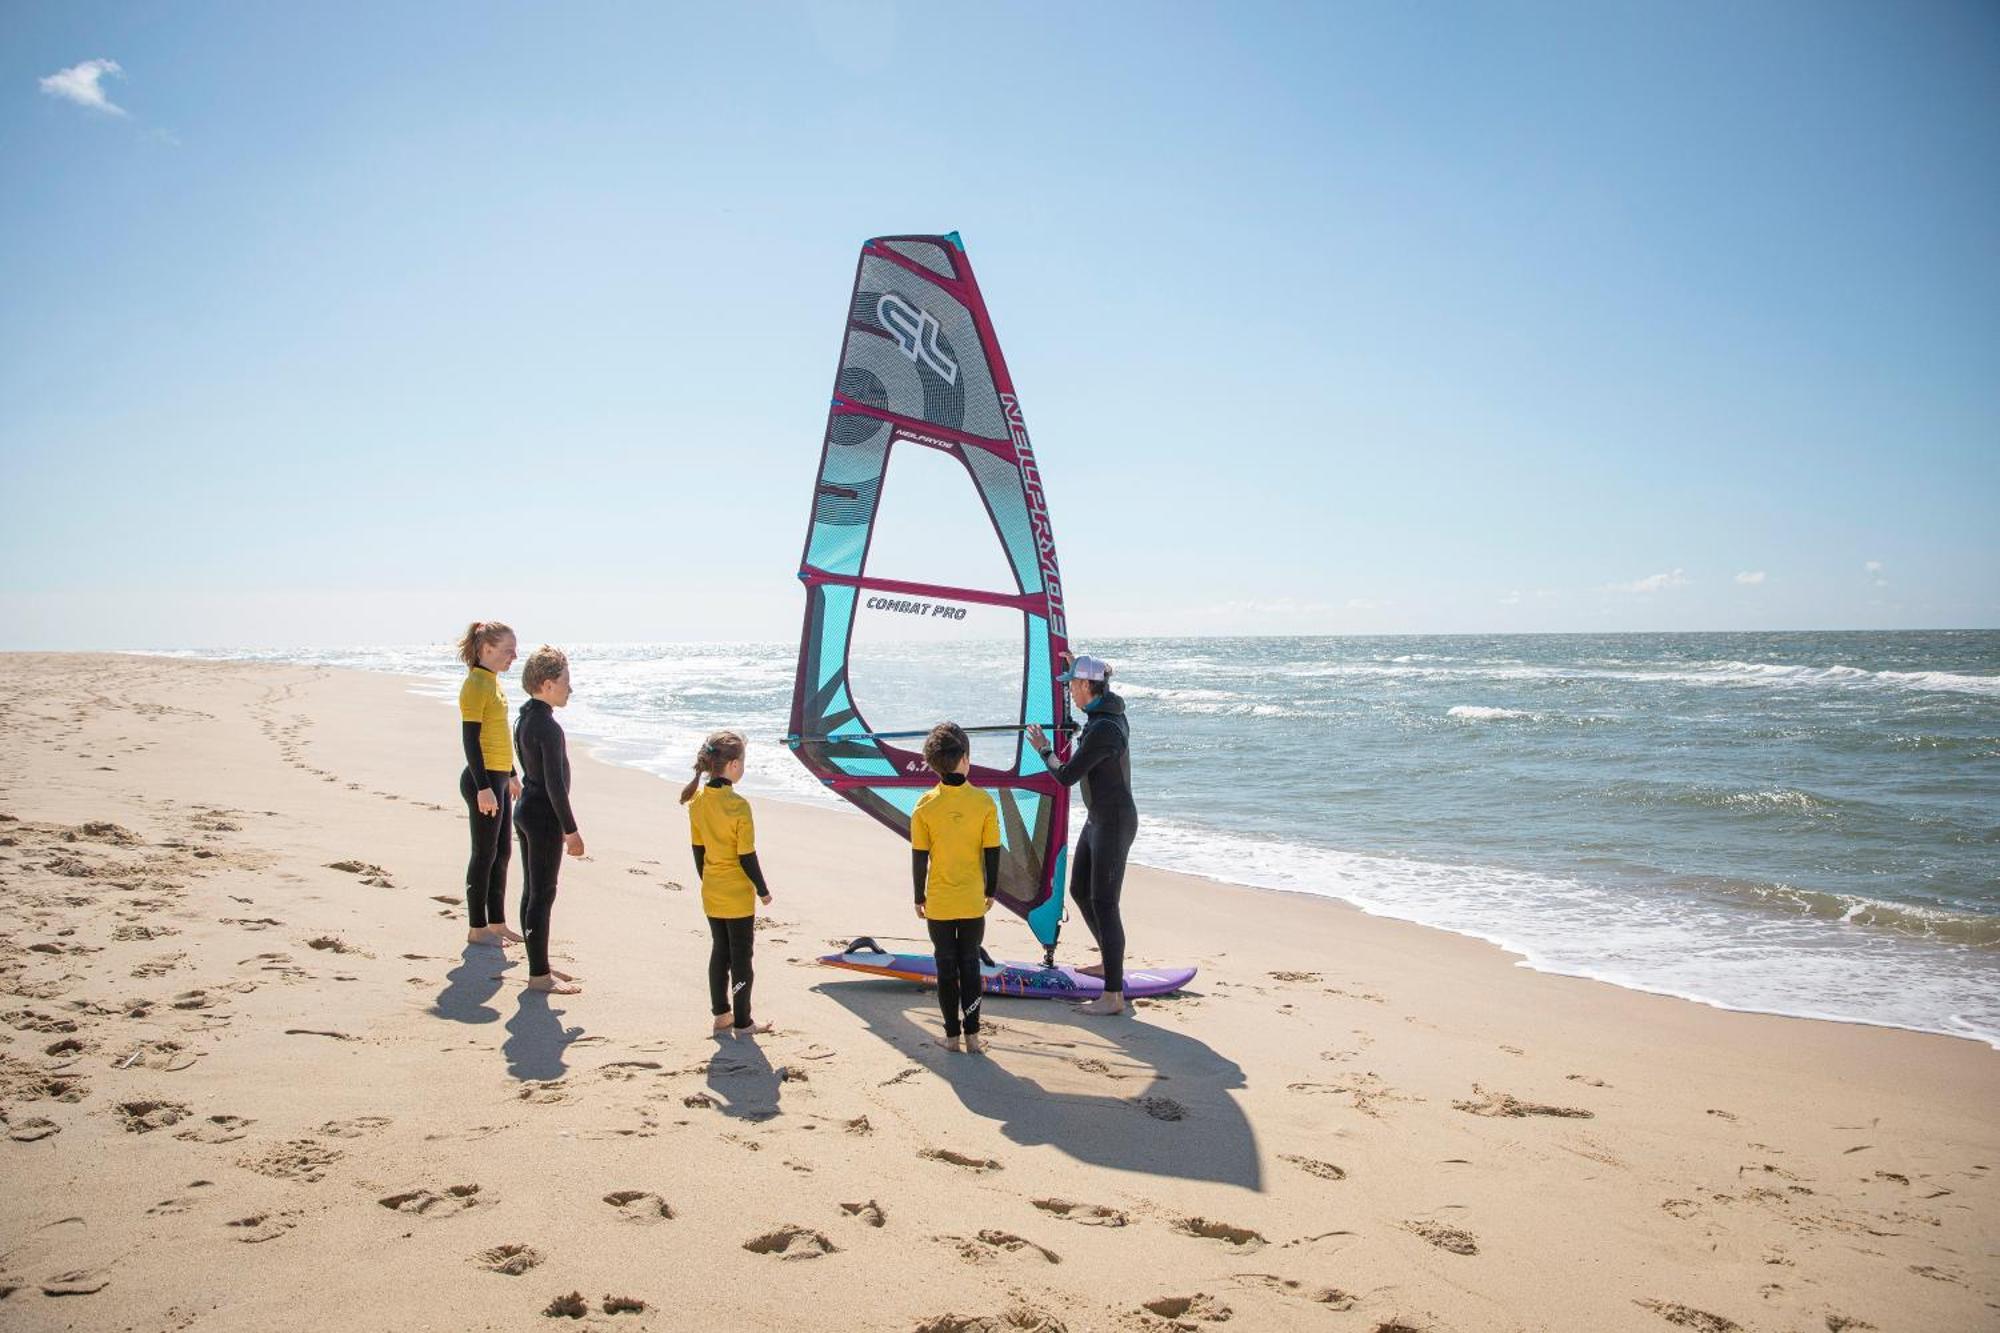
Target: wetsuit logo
916 332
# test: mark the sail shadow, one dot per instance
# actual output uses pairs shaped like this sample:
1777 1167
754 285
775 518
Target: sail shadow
1127 1130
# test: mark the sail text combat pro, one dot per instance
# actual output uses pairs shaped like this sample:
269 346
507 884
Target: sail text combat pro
1038 512
903 606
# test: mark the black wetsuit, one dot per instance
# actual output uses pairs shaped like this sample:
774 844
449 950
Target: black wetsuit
486 872
955 944
1102 760
730 939
544 819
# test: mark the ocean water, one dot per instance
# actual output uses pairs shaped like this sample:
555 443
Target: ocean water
1794 823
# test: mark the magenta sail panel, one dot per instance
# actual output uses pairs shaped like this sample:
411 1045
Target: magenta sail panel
895 637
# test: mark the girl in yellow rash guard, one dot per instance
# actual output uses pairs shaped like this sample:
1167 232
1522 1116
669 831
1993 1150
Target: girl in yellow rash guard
725 856
488 783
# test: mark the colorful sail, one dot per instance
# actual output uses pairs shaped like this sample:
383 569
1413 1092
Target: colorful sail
932 588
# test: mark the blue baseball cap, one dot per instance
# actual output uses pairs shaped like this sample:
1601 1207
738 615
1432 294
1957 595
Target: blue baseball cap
1086 668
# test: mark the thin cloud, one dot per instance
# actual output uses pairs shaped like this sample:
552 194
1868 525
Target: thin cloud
1872 567
83 84
1753 577
1512 599
1651 583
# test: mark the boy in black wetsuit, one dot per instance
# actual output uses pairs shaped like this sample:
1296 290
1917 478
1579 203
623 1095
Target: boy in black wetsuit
543 817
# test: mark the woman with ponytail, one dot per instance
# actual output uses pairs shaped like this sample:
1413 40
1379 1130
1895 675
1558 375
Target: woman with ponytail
725 856
488 784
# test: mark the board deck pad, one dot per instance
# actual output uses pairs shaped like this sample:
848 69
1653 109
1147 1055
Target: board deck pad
1028 980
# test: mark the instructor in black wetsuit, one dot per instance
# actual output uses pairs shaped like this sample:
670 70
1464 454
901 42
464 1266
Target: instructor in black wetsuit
1102 760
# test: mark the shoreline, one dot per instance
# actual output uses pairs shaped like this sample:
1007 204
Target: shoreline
227 1047
1525 956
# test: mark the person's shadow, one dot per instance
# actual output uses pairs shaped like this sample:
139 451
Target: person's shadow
1181 1121
741 1079
471 984
536 1039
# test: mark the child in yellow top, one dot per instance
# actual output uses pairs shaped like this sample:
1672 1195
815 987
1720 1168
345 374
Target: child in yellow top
955 862
725 856
489 784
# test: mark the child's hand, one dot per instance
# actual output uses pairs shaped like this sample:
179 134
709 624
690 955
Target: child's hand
765 898
514 789
920 913
573 843
488 803
988 907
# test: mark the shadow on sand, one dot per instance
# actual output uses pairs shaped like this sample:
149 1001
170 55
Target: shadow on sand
742 1080
1212 1141
536 1039
469 986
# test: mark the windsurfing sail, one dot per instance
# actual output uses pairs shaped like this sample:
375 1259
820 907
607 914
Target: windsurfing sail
932 589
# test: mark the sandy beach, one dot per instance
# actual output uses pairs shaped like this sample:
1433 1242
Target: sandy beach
253 1078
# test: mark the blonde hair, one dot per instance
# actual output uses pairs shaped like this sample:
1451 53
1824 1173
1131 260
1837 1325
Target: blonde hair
717 752
543 665
478 636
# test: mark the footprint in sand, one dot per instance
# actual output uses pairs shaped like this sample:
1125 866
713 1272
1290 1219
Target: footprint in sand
572 1306
1084 1214
512 1260
1507 1104
1294 976
28 1020
1333 1298
1312 1166
67 1046
195 999
1161 1108
143 1117
82 1282
301 1159
1450 1239
357 1127
1686 1316
217 1129
989 1245
1186 1311
640 1206
1243 1238
869 1213
21 1081
543 1094
792 1242
260 1227
960 1159
30 1129
1014 1319
426 1203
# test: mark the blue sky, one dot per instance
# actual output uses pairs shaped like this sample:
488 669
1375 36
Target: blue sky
347 324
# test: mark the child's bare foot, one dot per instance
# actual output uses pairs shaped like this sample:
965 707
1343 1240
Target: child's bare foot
974 1045
1091 970
721 1024
508 935
555 983
563 976
483 935
753 1030
1111 1002
951 1043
